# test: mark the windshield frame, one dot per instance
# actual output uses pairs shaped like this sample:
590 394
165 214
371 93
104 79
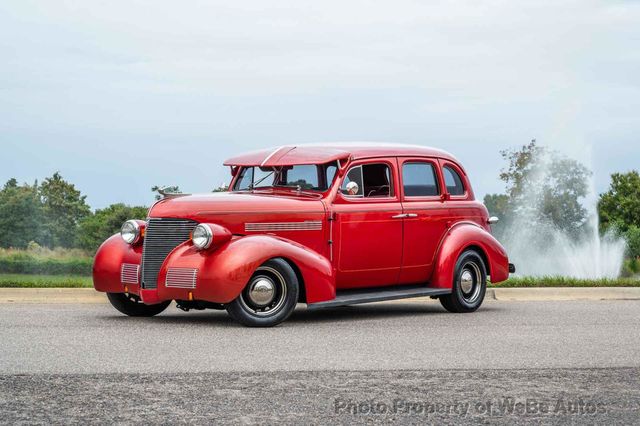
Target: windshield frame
322 171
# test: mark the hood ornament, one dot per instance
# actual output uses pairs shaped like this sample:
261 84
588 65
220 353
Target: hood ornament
167 192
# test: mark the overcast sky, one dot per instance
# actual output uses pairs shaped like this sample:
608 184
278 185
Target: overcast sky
122 95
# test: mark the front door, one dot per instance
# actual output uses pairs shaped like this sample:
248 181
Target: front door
426 216
368 226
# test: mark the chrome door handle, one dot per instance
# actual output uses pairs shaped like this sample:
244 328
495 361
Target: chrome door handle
404 215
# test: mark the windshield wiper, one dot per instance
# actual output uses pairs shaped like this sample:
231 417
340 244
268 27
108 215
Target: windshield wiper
253 185
296 187
298 190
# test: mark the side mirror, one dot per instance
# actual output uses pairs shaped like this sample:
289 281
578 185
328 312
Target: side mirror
352 188
492 220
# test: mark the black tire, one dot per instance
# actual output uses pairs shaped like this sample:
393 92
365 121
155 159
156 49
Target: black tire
469 284
271 305
130 304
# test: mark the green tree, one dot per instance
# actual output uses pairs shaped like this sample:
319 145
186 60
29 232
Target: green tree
524 166
498 205
96 228
545 186
620 205
619 209
564 188
632 235
222 188
20 214
63 208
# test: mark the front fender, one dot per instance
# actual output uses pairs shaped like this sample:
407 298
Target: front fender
107 265
461 237
223 272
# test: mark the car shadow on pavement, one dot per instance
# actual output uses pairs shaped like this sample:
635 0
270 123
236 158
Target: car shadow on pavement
172 315
363 312
302 315
370 312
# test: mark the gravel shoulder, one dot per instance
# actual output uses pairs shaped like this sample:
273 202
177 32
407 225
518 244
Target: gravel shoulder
547 396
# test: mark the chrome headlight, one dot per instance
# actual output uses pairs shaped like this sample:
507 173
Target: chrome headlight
130 231
202 236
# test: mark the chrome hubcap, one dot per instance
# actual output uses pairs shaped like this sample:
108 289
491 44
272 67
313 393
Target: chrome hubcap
466 281
266 293
261 291
470 282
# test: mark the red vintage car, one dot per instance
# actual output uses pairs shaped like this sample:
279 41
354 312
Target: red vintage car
326 225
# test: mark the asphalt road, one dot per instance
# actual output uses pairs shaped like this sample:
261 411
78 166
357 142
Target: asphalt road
407 362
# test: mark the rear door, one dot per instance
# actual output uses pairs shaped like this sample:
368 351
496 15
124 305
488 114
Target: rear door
425 217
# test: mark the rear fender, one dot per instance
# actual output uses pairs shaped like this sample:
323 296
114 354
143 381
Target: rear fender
224 271
461 237
107 265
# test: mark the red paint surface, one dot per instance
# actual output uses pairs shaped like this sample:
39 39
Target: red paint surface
369 246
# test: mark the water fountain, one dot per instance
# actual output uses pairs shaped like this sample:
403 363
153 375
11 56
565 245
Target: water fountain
540 248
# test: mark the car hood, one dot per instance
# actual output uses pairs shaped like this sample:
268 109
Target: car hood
229 208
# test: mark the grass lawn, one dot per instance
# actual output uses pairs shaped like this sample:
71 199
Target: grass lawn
43 281
40 281
567 282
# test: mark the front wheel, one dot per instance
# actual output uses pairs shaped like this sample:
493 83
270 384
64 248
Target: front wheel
269 297
130 304
469 284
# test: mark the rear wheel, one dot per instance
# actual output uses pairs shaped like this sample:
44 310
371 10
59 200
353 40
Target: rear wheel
469 284
130 304
269 297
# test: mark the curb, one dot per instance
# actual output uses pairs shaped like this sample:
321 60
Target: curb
51 295
529 294
565 293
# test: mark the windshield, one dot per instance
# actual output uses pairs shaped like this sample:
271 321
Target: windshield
307 177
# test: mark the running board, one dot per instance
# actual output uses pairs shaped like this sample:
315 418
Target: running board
368 295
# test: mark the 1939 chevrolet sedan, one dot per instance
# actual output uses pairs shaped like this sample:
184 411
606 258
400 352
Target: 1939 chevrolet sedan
330 225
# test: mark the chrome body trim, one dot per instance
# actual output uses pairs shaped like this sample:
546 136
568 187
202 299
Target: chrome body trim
275 151
181 278
129 273
309 225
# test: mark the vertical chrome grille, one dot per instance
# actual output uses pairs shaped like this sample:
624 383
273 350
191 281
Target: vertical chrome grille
160 238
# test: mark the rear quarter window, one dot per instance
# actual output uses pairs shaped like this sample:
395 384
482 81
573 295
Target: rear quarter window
453 181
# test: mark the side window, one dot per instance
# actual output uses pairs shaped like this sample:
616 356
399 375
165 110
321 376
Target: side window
419 180
369 181
245 180
453 181
352 185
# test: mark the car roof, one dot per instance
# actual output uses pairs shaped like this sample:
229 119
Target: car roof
289 155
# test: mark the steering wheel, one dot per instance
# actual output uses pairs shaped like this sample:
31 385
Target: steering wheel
379 190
